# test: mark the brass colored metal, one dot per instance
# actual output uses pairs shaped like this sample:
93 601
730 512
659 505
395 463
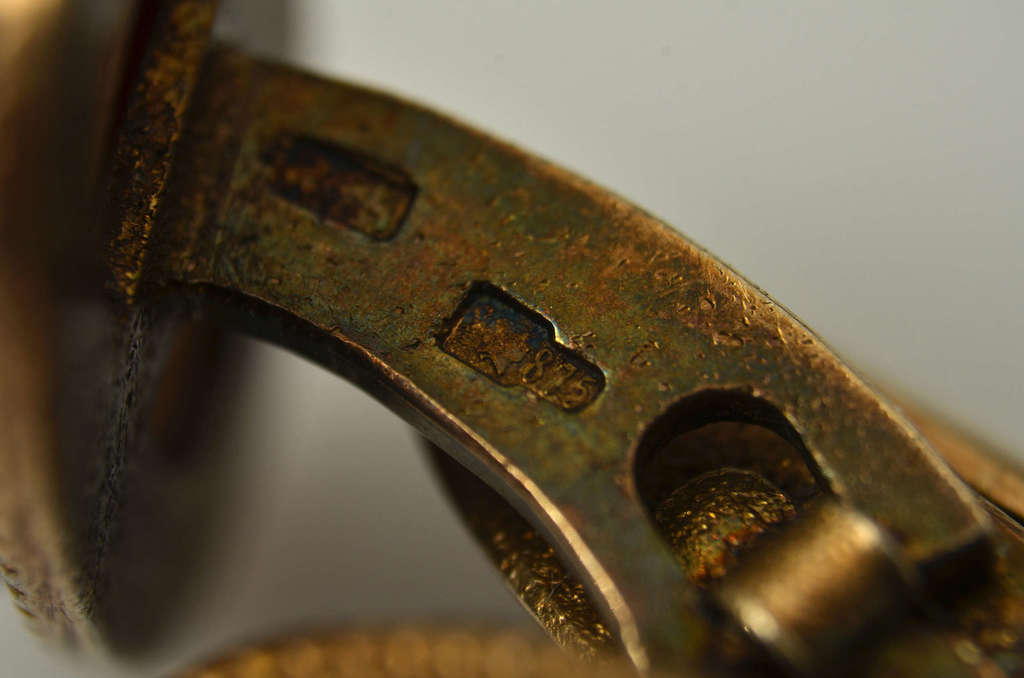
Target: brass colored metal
590 365
716 514
409 652
985 628
59 82
676 335
500 338
555 598
342 187
155 112
813 593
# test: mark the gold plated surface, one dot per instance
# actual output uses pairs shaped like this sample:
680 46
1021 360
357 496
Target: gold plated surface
534 572
502 339
60 78
716 514
689 348
409 652
646 420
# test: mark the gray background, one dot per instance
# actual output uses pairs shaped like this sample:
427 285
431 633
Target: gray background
863 162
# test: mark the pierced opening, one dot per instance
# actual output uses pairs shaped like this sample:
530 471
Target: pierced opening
719 470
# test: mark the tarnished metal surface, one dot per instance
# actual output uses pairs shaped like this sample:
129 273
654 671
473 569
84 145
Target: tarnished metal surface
91 501
555 598
408 652
980 632
820 589
652 420
502 339
680 339
716 514
152 124
341 187
56 107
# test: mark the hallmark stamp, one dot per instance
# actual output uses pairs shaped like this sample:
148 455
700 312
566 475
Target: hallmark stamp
514 346
342 187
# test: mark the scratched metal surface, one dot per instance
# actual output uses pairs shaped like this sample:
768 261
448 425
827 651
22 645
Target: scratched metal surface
916 142
670 326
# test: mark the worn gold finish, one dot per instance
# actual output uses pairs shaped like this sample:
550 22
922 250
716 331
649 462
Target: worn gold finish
698 345
983 638
816 609
500 338
409 652
56 108
556 599
630 400
718 513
